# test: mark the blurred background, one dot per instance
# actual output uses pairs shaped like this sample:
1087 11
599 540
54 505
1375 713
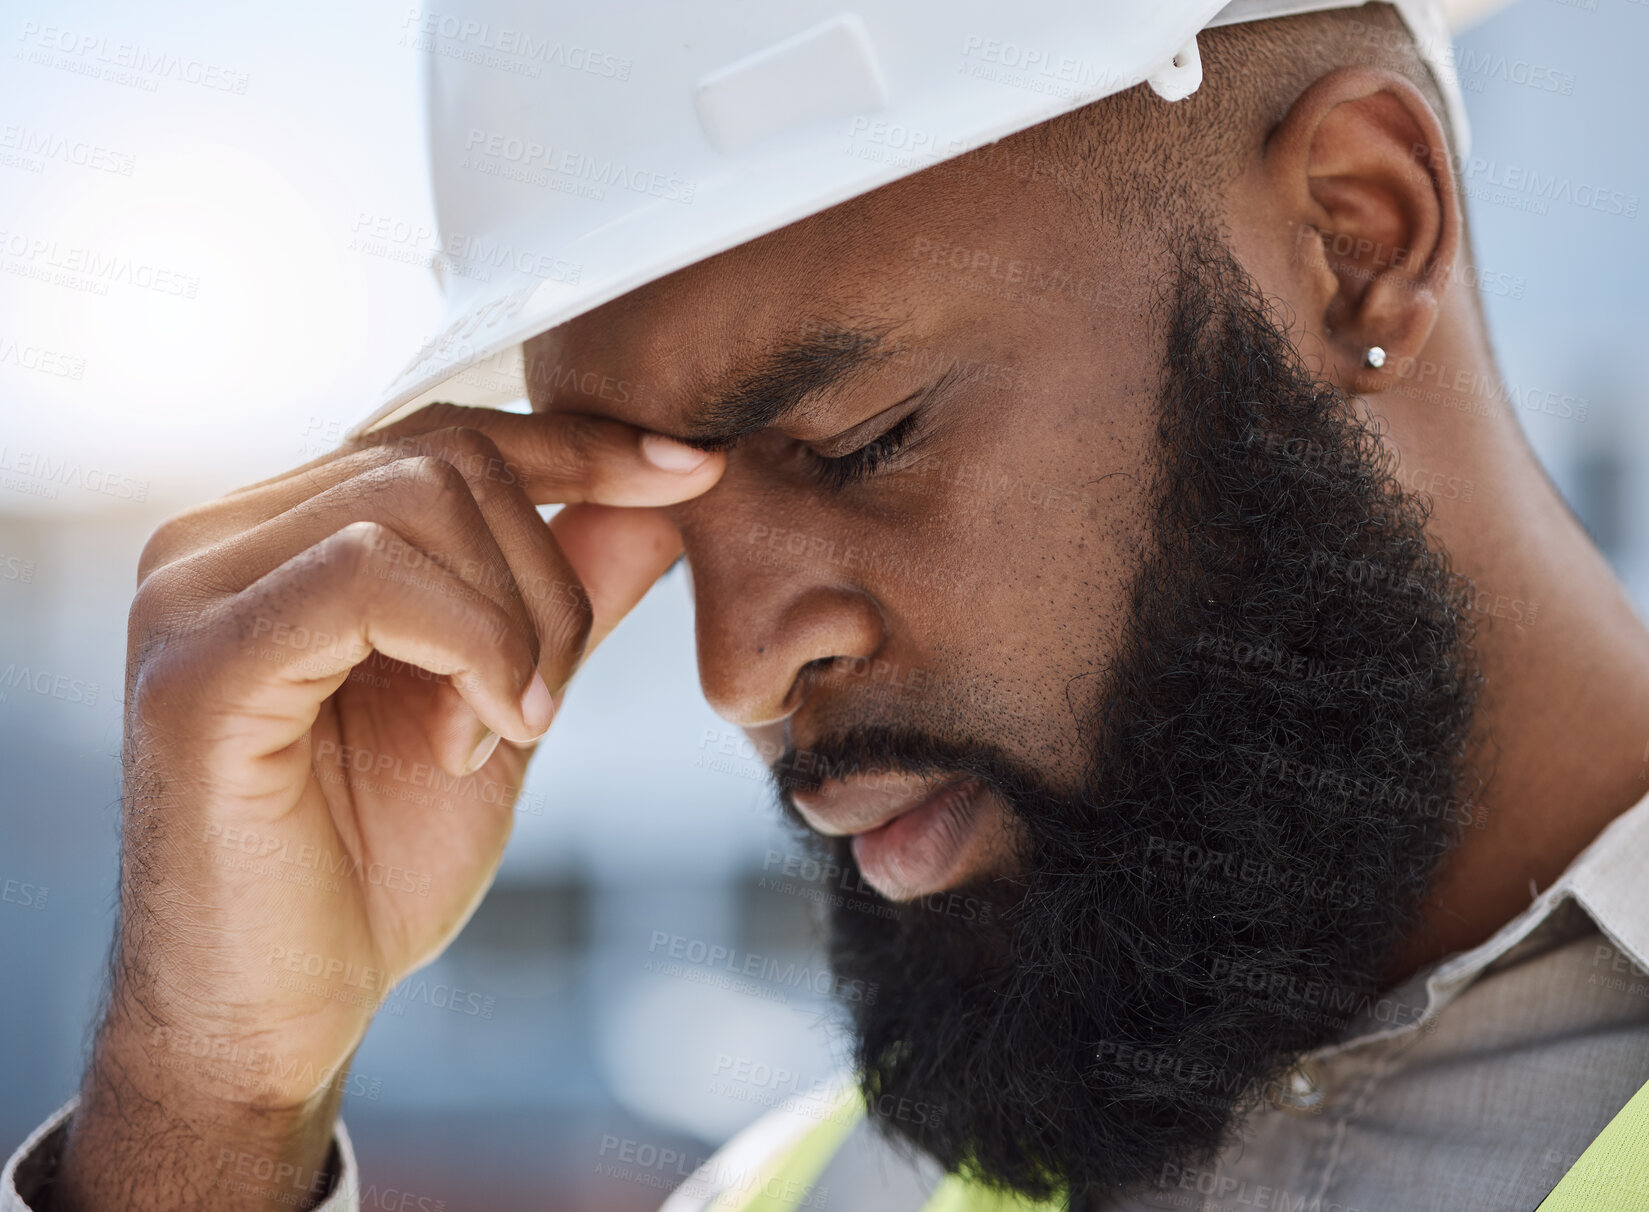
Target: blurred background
206 276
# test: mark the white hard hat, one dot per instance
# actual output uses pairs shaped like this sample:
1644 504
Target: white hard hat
579 151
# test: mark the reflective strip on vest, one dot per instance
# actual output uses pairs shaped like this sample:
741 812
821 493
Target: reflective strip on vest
785 1183
958 1195
1612 1175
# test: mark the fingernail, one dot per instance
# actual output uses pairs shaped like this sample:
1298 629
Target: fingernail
483 751
537 705
667 454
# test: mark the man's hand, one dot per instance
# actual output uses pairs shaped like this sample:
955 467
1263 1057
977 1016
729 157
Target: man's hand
334 681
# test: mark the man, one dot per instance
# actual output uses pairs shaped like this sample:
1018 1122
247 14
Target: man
1260 830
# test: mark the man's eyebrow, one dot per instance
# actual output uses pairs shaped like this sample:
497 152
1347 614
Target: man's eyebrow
822 356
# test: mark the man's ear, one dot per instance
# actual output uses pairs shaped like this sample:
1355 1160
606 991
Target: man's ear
1361 165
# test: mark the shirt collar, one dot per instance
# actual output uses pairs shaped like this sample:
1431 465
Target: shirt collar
1609 880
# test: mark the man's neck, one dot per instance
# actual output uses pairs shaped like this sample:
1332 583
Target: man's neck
1564 714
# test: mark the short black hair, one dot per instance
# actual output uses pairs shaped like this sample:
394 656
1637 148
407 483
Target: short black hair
1139 160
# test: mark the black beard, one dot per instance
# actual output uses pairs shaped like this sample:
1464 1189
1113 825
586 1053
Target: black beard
1277 771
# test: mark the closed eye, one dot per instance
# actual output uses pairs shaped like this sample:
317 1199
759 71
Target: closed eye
840 471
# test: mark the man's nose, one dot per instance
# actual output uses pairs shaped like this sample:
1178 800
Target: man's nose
768 605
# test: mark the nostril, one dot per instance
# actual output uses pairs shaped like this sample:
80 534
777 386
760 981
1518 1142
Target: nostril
819 667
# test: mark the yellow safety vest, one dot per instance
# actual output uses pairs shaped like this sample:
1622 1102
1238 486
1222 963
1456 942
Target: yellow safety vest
1612 1175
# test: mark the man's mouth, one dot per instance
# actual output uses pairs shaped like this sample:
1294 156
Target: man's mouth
911 837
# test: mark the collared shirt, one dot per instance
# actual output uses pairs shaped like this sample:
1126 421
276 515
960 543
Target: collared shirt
1471 1087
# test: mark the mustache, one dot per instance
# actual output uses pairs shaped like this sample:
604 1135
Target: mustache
865 751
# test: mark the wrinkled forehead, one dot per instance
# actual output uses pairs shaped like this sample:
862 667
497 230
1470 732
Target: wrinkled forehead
941 257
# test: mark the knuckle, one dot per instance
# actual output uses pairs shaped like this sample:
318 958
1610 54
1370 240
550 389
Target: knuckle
412 428
436 416
571 618
171 539
375 458
163 667
430 498
429 476
577 438
151 604
477 457
500 645
519 645
466 443
356 546
152 693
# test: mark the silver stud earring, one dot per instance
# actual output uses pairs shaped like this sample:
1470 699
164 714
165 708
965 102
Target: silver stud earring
1375 357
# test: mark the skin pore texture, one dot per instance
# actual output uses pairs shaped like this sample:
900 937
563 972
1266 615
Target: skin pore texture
1143 547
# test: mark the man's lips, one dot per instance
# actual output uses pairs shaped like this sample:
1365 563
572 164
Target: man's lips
911 837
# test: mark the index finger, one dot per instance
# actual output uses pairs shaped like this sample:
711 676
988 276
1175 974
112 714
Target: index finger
568 458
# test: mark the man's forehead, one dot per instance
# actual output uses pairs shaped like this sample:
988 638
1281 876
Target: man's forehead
807 306
725 348
721 388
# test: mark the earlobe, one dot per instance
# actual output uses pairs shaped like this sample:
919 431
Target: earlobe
1363 163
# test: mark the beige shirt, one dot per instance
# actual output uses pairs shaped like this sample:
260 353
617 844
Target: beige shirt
1472 1087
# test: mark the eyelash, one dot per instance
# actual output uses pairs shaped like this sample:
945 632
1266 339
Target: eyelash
857 465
